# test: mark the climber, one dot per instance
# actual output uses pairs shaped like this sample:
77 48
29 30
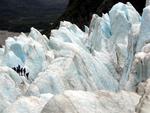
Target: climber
14 68
27 76
18 69
24 71
21 70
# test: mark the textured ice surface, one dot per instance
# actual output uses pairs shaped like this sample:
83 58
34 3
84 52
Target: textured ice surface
112 55
88 102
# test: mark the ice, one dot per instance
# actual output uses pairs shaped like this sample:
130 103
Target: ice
27 105
95 65
144 30
90 102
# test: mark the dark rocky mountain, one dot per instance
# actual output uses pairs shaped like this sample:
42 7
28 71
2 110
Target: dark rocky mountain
20 15
80 11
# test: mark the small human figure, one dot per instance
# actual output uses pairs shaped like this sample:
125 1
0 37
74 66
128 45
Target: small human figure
27 75
14 68
18 69
24 71
21 71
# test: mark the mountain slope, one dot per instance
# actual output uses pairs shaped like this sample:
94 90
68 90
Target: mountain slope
20 15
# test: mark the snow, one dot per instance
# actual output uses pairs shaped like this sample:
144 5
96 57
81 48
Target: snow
74 68
91 102
27 105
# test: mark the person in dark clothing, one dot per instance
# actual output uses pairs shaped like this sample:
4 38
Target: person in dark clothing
27 76
24 71
18 69
14 68
21 71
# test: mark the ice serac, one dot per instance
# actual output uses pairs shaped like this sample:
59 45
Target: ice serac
99 58
26 52
140 66
112 55
144 36
74 67
114 34
123 18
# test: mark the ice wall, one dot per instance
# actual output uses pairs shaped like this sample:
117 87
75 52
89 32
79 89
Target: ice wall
113 54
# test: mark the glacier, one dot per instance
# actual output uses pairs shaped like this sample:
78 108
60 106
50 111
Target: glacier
102 69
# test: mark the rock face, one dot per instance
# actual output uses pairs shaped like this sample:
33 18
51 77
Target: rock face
95 66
